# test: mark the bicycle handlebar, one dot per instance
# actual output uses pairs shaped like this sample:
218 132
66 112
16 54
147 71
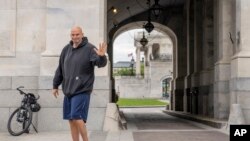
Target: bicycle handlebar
22 92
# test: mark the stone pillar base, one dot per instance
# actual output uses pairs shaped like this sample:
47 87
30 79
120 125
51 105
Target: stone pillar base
112 118
236 115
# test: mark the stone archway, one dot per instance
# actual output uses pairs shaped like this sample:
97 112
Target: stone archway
158 27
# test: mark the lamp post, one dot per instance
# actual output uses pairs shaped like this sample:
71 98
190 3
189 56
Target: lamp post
132 65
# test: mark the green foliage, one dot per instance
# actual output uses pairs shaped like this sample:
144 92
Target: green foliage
124 72
125 102
128 71
142 69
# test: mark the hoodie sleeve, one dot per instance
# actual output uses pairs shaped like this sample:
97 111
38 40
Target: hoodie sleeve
58 78
96 60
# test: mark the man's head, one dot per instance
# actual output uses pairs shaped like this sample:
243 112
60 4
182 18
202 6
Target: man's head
76 35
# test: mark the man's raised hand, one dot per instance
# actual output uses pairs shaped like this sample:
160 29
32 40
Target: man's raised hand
102 49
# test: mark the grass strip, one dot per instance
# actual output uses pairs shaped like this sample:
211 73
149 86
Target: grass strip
127 102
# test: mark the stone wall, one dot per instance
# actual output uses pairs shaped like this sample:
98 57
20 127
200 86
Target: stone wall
158 72
148 87
32 35
132 87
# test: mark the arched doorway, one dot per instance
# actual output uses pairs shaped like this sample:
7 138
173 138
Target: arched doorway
167 32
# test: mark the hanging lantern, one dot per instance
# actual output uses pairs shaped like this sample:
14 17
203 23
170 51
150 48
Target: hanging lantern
144 41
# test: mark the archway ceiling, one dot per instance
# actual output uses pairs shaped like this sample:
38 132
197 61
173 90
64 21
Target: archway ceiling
135 7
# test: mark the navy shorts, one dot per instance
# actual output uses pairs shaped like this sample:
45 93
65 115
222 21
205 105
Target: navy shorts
76 107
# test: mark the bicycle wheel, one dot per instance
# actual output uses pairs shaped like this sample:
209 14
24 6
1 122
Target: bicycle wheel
19 121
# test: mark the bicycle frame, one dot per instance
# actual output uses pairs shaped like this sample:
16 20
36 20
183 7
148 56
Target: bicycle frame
24 113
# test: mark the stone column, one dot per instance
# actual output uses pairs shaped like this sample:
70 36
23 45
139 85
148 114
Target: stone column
138 62
240 74
206 72
188 41
180 72
223 47
197 56
147 52
146 62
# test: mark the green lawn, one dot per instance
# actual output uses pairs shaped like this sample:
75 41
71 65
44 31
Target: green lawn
125 102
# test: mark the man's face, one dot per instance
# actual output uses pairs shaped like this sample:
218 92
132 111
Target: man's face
76 36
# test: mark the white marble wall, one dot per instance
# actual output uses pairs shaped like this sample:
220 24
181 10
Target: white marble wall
240 75
131 87
32 35
61 15
158 72
8 28
22 36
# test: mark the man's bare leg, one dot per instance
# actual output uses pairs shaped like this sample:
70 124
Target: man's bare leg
82 129
74 130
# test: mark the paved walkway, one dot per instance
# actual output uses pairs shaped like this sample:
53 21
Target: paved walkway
144 124
152 124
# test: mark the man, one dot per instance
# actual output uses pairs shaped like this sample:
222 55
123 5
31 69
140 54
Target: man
76 74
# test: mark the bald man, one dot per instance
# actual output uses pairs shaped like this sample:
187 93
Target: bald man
76 74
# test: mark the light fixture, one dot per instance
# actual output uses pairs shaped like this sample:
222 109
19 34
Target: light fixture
149 26
114 10
143 41
156 8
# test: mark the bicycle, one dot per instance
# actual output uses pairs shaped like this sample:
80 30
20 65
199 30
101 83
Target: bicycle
21 119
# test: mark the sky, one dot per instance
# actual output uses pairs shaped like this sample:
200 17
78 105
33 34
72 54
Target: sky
124 45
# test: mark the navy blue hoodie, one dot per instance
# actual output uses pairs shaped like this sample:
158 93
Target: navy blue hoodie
76 68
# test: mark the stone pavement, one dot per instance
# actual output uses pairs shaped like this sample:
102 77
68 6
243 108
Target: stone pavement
144 124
